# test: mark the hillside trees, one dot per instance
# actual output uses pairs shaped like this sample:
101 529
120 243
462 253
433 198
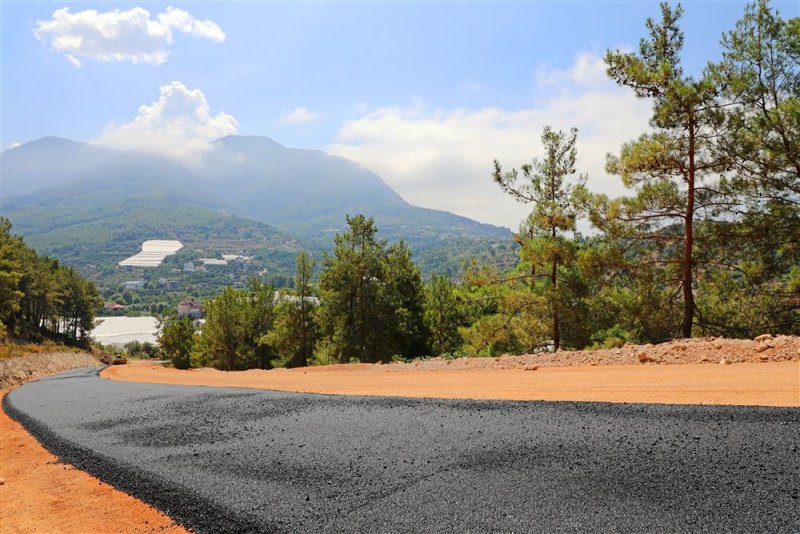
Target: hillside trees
236 321
370 298
759 75
176 339
554 204
443 314
294 332
39 298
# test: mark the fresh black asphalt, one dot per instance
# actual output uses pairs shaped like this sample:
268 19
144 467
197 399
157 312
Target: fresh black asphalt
241 460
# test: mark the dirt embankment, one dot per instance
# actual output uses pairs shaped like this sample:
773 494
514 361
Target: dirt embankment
16 371
760 376
698 350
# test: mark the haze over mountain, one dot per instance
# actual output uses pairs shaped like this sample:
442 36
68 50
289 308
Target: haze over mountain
63 195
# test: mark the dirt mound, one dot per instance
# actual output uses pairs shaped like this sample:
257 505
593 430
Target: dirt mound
697 350
15 371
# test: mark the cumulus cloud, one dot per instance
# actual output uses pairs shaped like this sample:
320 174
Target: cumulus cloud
443 159
299 116
179 124
117 35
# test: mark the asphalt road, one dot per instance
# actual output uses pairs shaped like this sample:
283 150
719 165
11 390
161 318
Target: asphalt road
239 460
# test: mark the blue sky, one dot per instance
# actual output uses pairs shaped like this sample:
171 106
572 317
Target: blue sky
362 72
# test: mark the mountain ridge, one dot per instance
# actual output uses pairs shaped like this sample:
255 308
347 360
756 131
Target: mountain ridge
303 194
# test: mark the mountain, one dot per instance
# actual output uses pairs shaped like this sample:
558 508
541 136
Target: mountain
292 198
47 162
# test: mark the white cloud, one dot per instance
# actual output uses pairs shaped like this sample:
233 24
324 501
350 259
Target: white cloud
179 124
120 35
299 116
443 159
13 145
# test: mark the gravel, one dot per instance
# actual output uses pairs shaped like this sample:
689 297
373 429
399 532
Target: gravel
241 460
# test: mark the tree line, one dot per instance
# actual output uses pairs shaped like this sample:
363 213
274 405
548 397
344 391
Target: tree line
707 243
41 299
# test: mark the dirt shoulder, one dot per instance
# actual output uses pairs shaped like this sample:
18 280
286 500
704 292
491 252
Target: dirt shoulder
40 494
669 373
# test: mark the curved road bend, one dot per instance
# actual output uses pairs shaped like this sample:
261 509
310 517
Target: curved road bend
240 460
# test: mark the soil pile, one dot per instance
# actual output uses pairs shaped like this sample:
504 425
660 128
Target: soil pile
685 351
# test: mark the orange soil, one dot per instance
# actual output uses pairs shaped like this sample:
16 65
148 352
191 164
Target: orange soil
40 494
765 384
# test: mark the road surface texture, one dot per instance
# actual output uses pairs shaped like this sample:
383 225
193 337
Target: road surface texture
241 460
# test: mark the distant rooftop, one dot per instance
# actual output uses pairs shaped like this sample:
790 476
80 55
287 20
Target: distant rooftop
152 254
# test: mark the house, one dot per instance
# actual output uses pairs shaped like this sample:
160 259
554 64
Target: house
190 307
188 267
133 284
113 306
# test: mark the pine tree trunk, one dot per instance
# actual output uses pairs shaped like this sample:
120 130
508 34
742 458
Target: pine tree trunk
688 241
556 326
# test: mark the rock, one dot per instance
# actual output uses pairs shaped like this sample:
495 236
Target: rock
762 347
764 358
643 357
679 346
723 361
593 364
717 345
531 367
2 481
763 337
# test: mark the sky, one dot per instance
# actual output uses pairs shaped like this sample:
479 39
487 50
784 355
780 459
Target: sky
426 94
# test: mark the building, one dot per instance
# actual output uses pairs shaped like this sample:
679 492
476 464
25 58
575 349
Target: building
133 284
188 267
113 306
190 307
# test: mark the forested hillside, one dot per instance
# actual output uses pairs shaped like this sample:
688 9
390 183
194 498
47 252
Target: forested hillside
40 299
101 208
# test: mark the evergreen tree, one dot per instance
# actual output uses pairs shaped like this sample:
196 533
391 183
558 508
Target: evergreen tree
176 339
370 298
554 211
443 315
670 168
404 298
294 331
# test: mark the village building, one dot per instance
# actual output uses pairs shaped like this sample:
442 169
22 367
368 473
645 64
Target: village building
133 284
190 307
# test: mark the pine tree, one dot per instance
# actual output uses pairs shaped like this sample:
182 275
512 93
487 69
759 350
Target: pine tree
443 315
554 211
668 167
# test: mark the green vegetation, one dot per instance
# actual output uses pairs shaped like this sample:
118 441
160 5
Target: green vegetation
370 298
40 299
294 333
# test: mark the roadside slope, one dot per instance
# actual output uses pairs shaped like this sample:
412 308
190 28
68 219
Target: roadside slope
21 369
